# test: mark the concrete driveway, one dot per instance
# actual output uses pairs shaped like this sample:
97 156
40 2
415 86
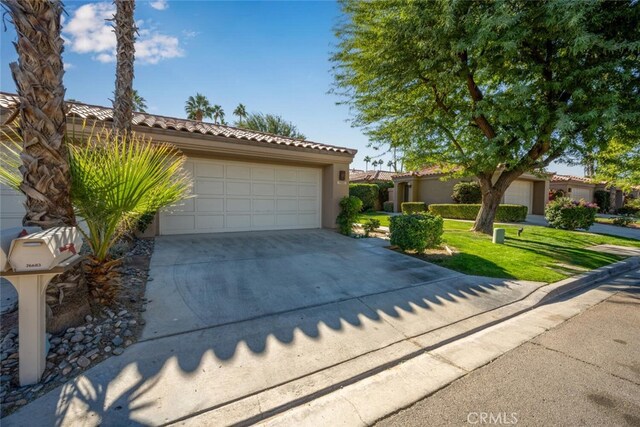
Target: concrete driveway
216 279
232 315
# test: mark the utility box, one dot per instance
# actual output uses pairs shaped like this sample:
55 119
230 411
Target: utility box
45 249
498 235
7 235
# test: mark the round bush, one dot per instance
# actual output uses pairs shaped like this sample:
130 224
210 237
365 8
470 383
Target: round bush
569 214
416 231
467 192
368 193
387 206
350 207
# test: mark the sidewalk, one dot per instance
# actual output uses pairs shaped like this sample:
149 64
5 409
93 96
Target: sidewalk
584 372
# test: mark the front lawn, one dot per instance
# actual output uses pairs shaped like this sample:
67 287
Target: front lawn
541 254
609 221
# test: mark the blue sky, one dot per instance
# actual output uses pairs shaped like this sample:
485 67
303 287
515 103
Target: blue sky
271 56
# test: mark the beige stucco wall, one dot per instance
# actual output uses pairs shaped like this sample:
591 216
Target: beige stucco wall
566 186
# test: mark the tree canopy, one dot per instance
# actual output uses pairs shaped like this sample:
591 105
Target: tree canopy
499 88
270 123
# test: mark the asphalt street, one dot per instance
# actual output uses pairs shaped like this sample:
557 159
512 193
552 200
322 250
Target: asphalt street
584 372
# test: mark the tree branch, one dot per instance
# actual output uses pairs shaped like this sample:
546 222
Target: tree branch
476 95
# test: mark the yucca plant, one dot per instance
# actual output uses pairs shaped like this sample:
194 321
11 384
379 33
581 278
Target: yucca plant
115 180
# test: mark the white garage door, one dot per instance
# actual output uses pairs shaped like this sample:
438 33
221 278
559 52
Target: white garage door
520 193
11 207
237 196
581 193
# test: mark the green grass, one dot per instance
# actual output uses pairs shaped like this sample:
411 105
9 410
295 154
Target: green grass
541 254
381 216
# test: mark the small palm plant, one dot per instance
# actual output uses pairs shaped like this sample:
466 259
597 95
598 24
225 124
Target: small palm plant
115 180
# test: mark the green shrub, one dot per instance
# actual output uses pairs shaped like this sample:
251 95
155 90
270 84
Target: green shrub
623 221
554 194
387 206
416 231
383 192
603 200
631 207
367 193
413 207
467 193
569 214
372 224
350 207
505 213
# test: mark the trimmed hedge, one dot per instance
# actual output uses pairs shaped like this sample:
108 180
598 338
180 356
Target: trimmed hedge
387 206
350 207
467 192
368 193
570 214
413 207
416 231
383 192
505 213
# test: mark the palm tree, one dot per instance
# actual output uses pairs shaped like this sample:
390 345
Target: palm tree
367 160
125 29
139 103
38 77
271 123
218 114
198 107
241 112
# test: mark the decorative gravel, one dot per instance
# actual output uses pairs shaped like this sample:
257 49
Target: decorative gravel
106 333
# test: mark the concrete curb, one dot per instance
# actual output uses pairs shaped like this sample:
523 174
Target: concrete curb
268 404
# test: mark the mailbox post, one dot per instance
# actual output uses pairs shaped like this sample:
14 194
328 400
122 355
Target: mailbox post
31 285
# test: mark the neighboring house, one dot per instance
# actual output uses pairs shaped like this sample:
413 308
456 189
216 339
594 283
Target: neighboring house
243 180
372 176
430 186
574 187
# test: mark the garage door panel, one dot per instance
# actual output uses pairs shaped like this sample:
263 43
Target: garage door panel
238 172
235 188
287 205
210 222
520 193
581 193
287 219
307 190
262 221
238 221
260 189
287 190
239 205
264 205
209 170
236 196
209 205
186 206
209 187
263 174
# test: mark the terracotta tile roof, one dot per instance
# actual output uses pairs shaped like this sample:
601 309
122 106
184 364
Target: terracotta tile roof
370 176
94 112
571 178
431 170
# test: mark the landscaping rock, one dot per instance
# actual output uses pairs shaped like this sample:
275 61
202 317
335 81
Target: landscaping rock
77 338
118 351
117 341
83 362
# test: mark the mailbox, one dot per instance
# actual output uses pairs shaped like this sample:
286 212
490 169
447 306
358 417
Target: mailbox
6 237
45 249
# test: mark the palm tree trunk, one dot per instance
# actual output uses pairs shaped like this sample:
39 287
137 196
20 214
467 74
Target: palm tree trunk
125 30
38 77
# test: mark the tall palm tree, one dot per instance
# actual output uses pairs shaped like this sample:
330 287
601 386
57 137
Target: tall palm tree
198 107
125 29
241 112
38 77
139 103
367 160
218 114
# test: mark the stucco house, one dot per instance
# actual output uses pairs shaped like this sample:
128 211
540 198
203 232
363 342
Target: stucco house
243 180
430 186
578 187
372 176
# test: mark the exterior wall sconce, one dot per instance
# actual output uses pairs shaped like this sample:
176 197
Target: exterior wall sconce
342 175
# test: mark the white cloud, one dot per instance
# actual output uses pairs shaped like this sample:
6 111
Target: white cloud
189 34
87 31
68 65
159 4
